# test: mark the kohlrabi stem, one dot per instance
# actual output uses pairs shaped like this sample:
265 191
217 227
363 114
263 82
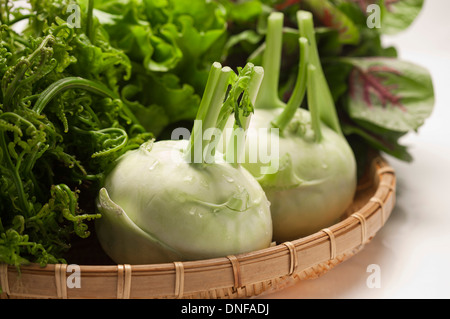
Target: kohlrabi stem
208 112
328 112
313 102
236 145
268 97
296 99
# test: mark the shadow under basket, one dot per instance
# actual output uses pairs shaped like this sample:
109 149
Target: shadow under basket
238 276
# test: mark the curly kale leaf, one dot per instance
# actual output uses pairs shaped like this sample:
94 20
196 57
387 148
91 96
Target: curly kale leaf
62 124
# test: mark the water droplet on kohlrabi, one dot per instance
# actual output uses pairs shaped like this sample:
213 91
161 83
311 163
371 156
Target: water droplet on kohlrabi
154 164
228 178
256 201
147 146
188 178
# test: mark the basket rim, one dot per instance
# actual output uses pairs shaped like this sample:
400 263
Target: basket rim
235 272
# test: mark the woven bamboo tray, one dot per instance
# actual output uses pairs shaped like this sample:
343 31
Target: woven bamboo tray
240 276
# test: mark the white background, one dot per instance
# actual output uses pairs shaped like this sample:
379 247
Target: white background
413 248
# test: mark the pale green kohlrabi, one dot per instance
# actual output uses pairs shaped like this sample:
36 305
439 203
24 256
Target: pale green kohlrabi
316 177
166 201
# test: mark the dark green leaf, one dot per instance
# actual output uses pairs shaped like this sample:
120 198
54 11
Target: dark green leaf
330 16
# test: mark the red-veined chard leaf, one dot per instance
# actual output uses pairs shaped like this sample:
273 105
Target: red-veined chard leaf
329 16
396 15
389 93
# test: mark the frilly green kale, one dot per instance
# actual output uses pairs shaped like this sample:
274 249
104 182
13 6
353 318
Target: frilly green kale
62 123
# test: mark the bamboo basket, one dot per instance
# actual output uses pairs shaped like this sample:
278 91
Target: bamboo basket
239 276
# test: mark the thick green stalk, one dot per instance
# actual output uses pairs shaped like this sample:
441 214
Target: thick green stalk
268 97
296 99
208 112
313 102
328 112
236 145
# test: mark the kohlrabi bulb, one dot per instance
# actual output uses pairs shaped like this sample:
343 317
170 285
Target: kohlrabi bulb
159 204
312 184
156 207
311 177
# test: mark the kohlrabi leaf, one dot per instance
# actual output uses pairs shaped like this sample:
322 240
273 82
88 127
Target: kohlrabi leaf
392 94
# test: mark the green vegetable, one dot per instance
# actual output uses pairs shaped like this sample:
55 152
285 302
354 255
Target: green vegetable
336 22
316 179
62 122
171 45
399 15
73 100
180 200
330 16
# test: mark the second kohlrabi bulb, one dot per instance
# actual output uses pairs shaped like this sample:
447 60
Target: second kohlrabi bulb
314 182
